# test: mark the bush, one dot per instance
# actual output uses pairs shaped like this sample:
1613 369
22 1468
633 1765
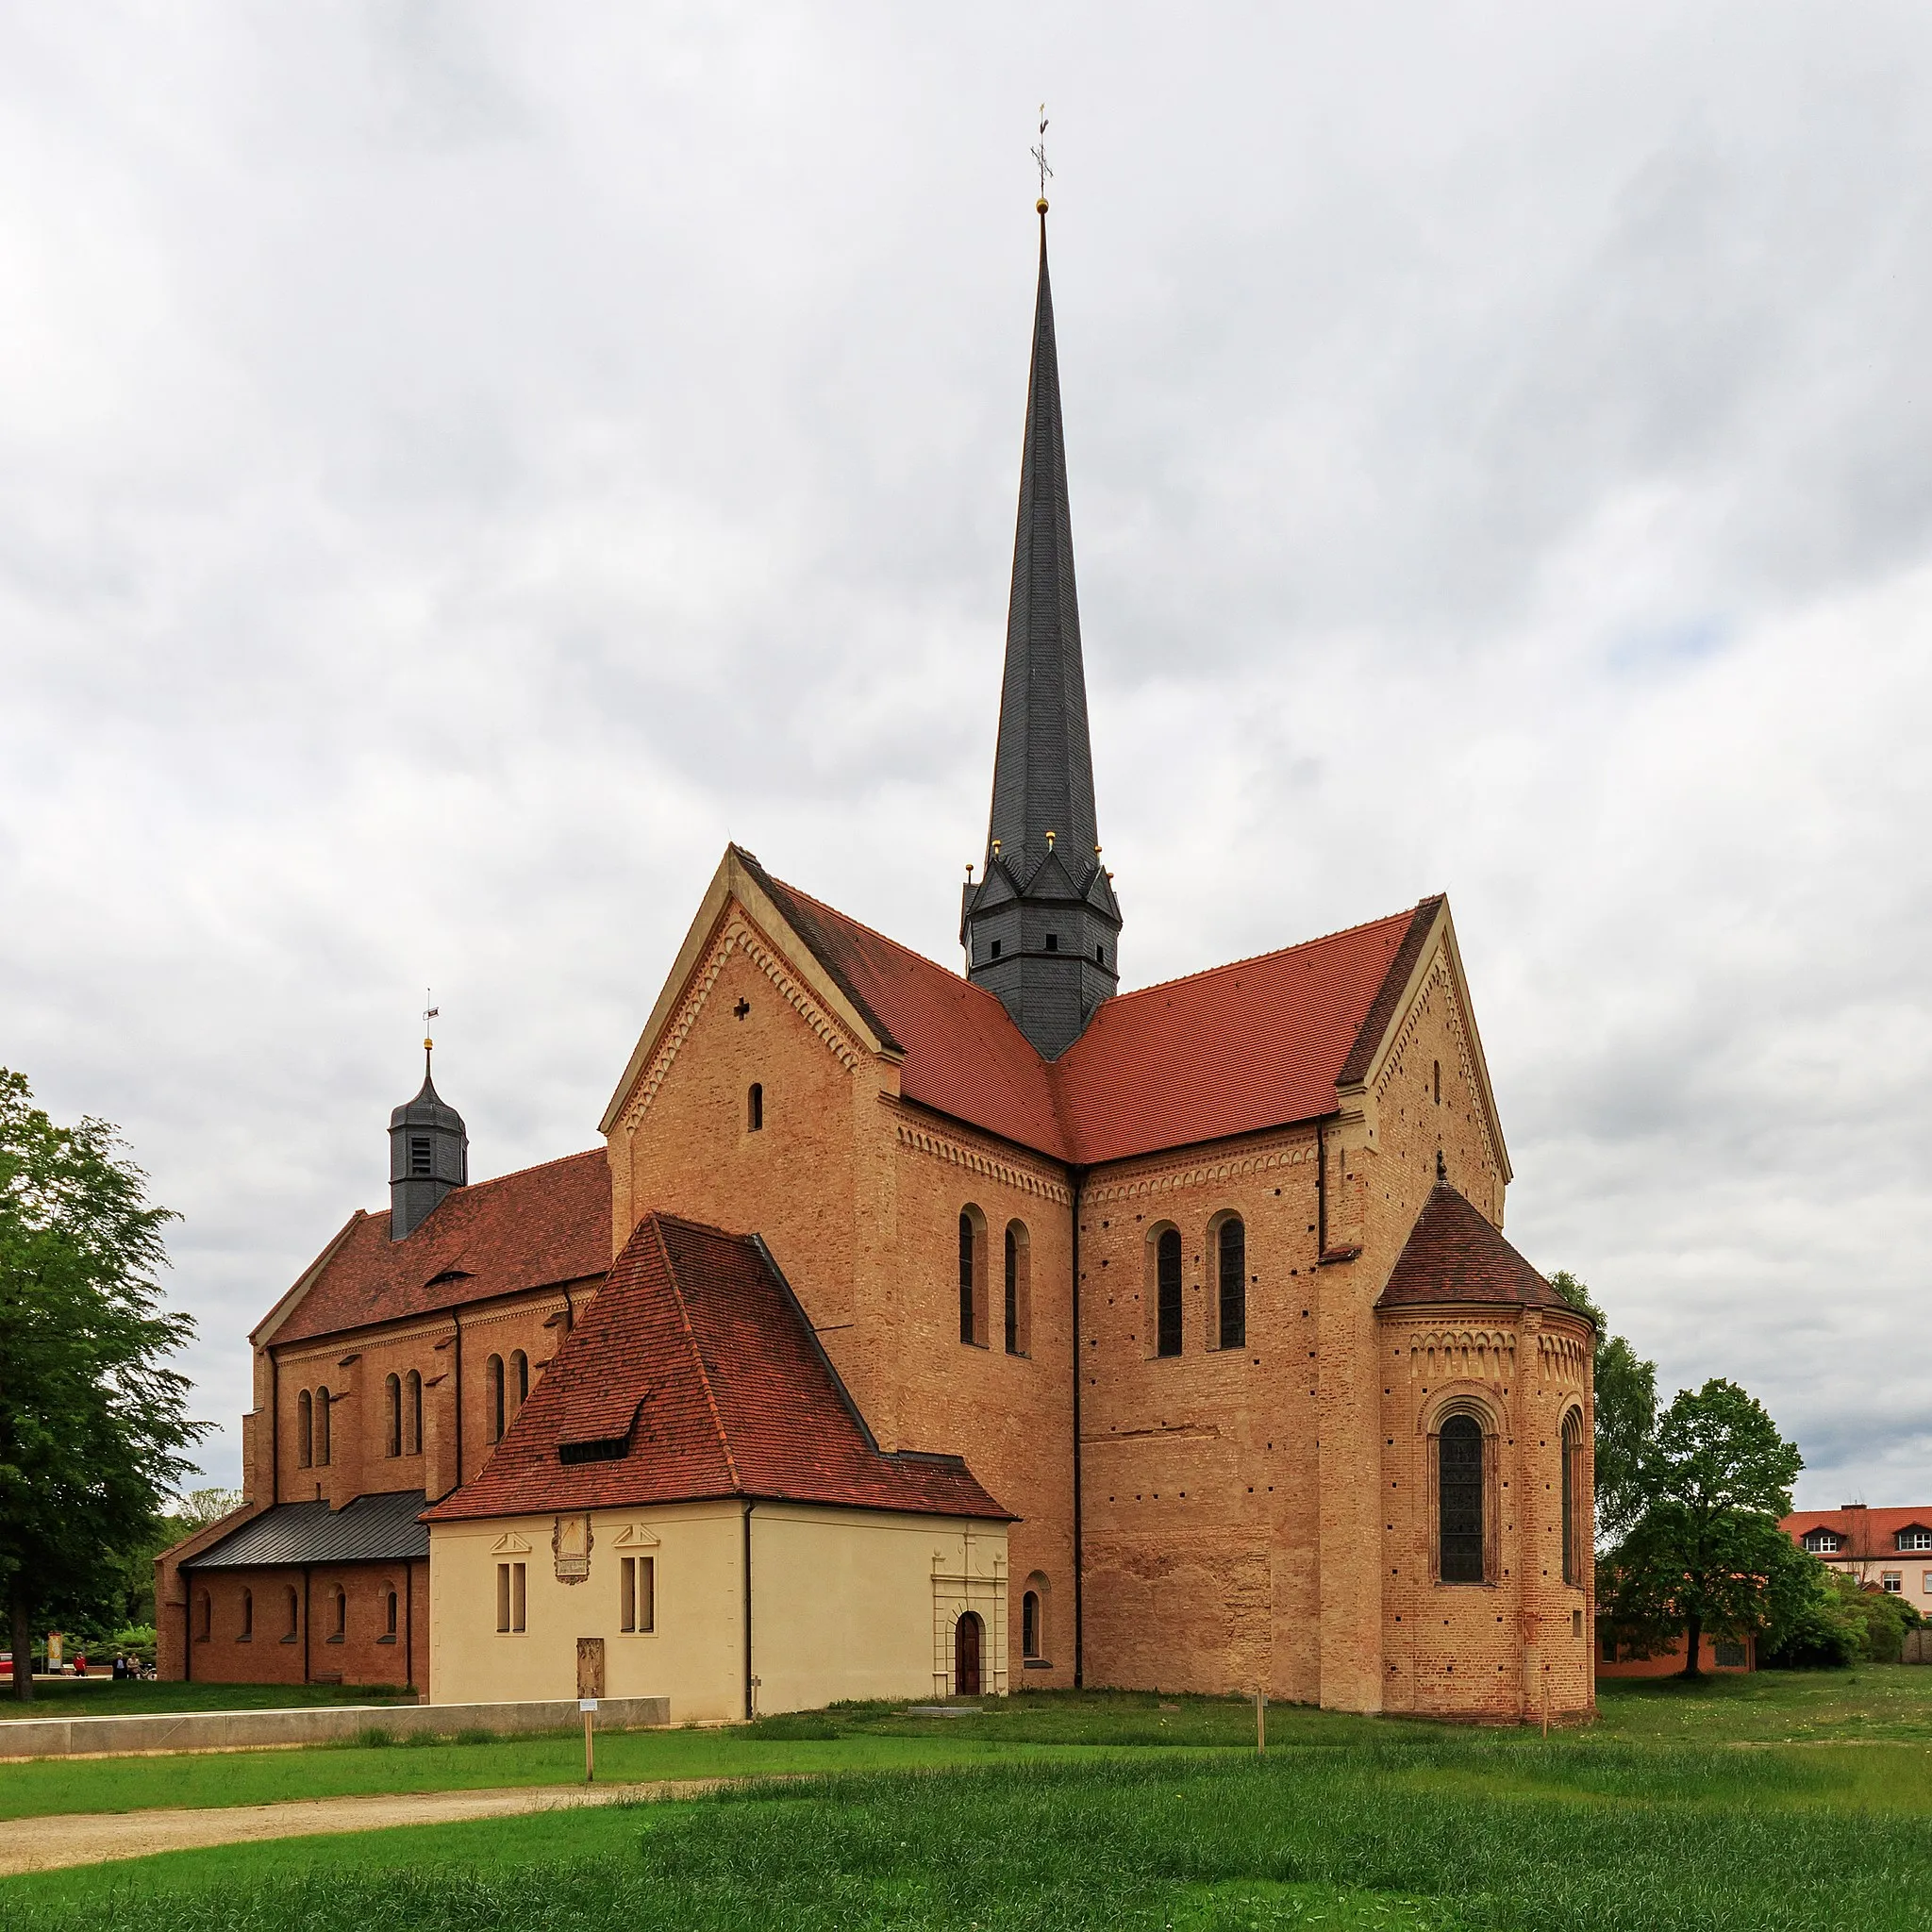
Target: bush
1845 1623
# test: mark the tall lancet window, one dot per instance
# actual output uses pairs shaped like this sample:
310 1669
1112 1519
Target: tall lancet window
1019 1308
1231 1277
973 1277
1576 1505
1167 1278
1459 1494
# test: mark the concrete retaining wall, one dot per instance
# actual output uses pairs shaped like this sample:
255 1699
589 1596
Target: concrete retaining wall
321 1724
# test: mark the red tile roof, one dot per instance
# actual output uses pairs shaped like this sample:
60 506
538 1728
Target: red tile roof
1868 1532
696 1356
1257 1044
538 1228
1453 1254
1230 1050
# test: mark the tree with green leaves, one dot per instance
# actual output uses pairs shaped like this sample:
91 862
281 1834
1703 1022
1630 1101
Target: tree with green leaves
1625 1405
93 1423
1705 1553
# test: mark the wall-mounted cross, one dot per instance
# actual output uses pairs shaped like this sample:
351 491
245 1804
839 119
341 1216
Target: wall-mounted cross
740 1009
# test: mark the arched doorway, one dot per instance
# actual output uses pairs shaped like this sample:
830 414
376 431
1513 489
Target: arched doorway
966 1636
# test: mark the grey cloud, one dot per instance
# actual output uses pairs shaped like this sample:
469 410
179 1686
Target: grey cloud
457 469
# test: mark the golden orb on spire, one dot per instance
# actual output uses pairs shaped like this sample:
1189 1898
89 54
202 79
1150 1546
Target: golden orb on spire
1041 204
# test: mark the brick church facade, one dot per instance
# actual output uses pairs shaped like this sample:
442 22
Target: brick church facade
1178 1323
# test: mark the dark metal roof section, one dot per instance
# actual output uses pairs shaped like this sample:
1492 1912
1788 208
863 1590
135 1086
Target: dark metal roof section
371 1529
428 1154
1040 928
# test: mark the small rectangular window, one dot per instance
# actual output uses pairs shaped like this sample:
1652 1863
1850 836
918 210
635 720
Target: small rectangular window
1728 1657
1053 942
641 1594
509 1596
1894 1582
419 1157
1926 1582
996 949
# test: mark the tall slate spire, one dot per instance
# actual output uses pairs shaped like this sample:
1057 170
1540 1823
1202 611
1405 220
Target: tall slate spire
1040 926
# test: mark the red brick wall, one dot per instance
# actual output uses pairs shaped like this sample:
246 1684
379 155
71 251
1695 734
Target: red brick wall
1009 1415
1670 1662
1199 1469
1235 1525
277 1652
1488 1650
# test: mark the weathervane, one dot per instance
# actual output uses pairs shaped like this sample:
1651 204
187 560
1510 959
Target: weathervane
429 1012
1040 156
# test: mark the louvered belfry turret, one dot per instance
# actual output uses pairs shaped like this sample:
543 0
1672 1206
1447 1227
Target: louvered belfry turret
428 1154
1041 926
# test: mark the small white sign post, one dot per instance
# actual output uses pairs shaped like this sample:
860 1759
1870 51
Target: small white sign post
588 1706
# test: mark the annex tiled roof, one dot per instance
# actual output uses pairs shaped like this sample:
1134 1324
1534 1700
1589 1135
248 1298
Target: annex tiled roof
371 1529
1453 1254
1867 1532
541 1226
1230 1050
694 1375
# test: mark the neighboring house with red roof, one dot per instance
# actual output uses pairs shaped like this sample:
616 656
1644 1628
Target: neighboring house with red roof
1887 1549
927 1330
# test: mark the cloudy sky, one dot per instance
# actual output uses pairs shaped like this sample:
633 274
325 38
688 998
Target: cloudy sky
462 464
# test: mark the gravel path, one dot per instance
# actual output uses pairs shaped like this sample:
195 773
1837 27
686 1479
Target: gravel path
39 1845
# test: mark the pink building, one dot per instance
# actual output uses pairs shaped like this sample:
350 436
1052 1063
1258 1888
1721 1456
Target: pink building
1891 1548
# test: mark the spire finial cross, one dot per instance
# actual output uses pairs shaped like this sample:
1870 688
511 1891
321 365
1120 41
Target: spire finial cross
1040 157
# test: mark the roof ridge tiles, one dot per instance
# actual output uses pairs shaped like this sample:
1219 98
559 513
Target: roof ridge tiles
1243 1046
1341 932
654 1222
475 1188
899 946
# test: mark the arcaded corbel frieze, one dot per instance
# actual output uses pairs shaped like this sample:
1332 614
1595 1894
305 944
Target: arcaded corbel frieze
957 1152
1148 1182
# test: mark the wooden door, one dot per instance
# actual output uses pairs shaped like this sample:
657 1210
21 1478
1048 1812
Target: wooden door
589 1667
966 1656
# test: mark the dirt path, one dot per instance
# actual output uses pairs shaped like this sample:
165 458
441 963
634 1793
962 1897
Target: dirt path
41 1845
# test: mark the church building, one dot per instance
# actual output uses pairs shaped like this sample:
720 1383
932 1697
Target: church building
923 1332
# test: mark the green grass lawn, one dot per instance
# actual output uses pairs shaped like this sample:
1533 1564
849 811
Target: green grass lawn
1875 1702
1778 1801
1461 1832
103 1697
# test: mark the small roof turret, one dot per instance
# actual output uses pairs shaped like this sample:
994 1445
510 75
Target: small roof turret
428 1154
